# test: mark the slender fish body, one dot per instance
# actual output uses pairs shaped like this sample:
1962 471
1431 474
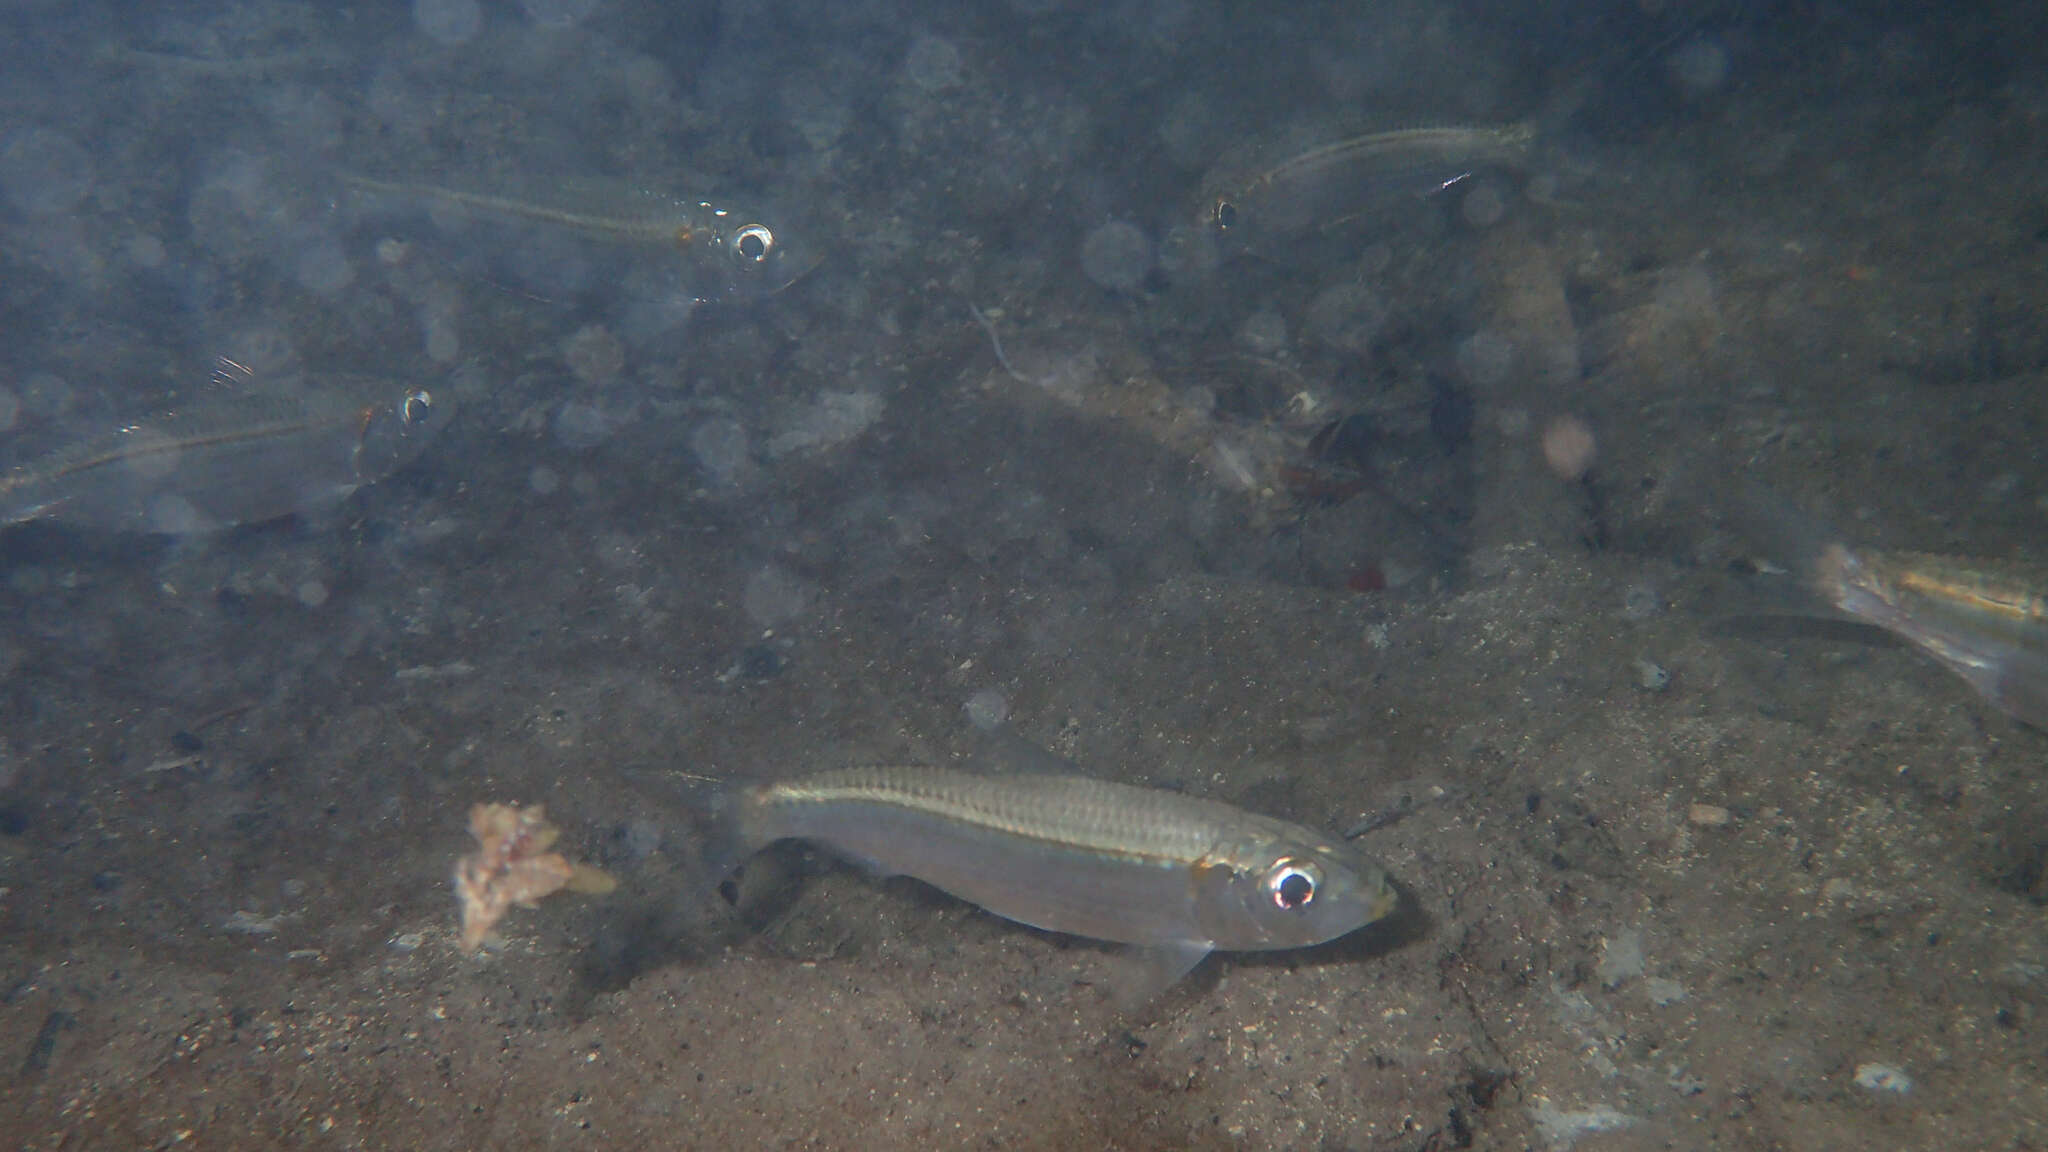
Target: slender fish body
730 253
1085 857
1269 206
229 459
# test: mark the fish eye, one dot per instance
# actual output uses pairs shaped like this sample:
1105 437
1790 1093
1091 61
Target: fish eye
1292 884
1226 215
417 407
754 242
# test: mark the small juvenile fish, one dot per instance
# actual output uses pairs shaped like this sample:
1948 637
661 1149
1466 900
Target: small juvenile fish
1265 207
1987 626
229 459
1174 875
733 252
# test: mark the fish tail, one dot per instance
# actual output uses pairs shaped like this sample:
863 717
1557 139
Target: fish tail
736 826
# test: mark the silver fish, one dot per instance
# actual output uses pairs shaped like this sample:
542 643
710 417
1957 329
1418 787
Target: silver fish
1268 207
731 253
1172 874
1985 623
229 459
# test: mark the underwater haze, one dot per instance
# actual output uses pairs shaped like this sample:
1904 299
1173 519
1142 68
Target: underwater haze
1532 520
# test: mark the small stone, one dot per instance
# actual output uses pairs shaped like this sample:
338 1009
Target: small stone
1883 1078
1709 815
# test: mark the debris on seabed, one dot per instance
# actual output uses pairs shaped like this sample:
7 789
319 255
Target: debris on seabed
512 865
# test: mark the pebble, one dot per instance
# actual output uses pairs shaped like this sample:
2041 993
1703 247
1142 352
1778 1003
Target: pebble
1883 1078
1709 816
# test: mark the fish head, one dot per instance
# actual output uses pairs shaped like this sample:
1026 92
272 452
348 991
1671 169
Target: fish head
396 430
752 258
1293 895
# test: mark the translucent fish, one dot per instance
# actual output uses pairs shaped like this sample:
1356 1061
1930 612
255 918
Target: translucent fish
1173 875
1985 623
1269 206
229 459
726 253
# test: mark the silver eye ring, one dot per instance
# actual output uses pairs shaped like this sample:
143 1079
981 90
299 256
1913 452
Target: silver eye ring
754 243
417 407
1292 884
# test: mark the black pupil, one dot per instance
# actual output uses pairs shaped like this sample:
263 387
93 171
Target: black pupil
752 246
1226 215
417 406
1295 890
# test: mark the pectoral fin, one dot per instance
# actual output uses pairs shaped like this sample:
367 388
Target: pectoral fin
1146 972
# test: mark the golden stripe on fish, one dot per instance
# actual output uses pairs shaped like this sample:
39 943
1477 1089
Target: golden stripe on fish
1162 871
1252 204
750 255
1989 627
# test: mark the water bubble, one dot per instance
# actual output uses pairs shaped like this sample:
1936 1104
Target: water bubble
44 171
1117 256
449 22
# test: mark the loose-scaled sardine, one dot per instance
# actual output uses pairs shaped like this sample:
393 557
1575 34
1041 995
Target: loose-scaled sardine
1173 874
731 252
230 458
1265 205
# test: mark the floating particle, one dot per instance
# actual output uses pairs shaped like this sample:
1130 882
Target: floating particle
933 64
558 13
1568 447
987 709
1485 358
323 268
44 172
543 480
147 251
720 445
312 593
1700 66
1651 676
1264 332
1484 205
580 427
449 22
595 356
773 596
1117 256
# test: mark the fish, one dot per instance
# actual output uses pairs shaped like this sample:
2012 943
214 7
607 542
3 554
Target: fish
1173 876
730 253
1986 622
230 458
1261 206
